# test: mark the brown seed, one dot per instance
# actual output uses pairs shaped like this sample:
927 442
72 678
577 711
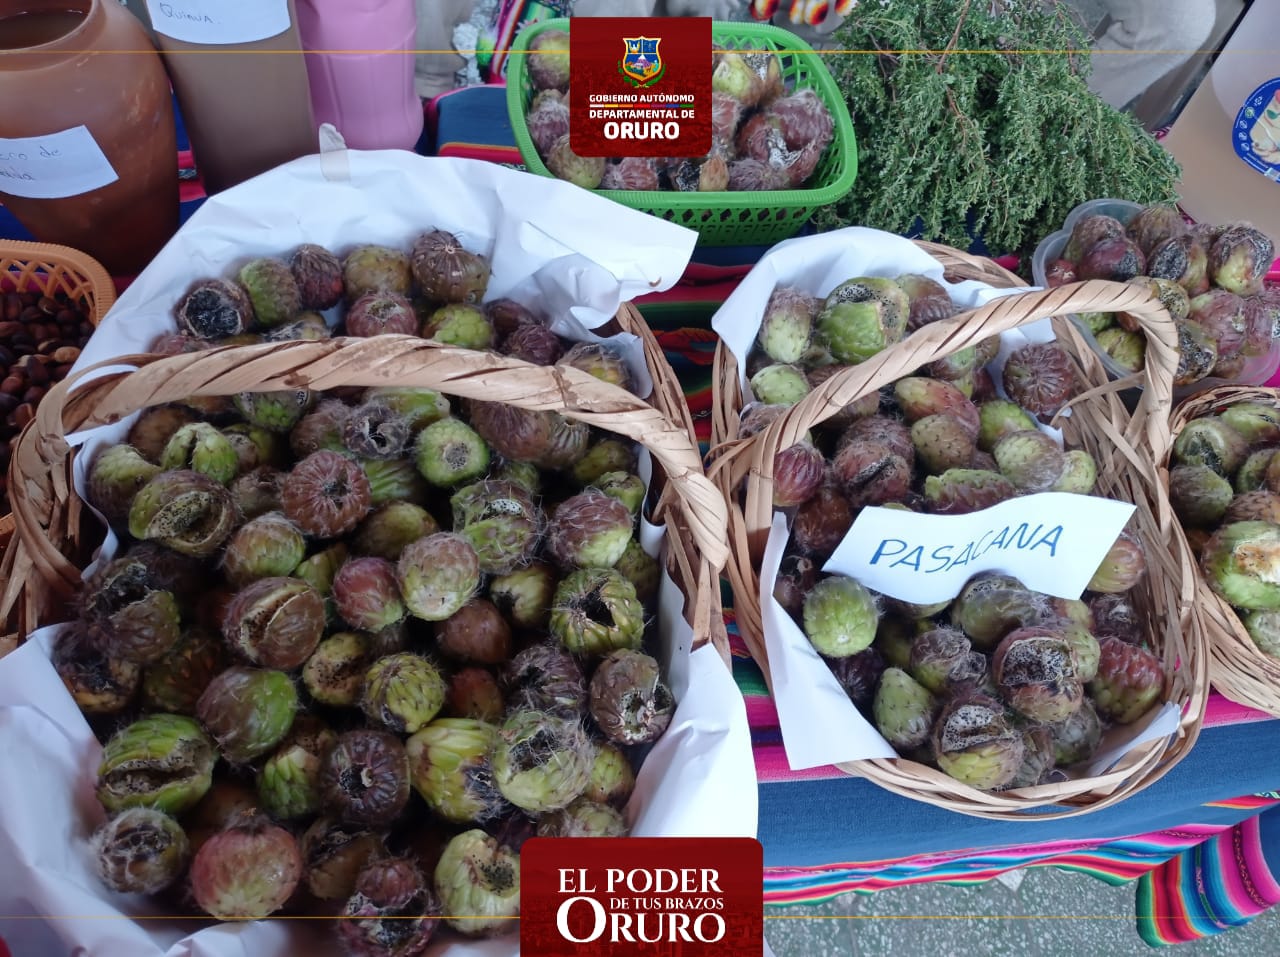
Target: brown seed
9 329
34 394
23 414
12 307
61 371
66 354
48 306
13 384
31 314
38 374
47 347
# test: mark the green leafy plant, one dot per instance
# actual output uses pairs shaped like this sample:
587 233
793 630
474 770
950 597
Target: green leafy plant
973 118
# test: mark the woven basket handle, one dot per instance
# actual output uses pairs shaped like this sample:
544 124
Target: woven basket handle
39 487
938 340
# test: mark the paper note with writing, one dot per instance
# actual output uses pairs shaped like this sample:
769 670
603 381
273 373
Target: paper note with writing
54 166
1052 542
219 21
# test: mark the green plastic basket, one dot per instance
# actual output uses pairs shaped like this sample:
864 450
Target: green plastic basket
757 218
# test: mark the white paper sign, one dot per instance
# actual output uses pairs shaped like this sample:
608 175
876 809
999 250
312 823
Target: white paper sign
54 166
219 21
1052 542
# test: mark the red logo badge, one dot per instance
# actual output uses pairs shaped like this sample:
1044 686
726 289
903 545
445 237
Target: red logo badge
640 86
641 897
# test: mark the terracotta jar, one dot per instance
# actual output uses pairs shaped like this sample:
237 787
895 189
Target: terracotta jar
88 154
241 80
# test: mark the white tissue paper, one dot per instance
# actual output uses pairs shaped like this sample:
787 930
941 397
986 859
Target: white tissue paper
805 692
573 254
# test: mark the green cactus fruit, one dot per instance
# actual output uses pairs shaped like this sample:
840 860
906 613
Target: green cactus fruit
459 325
276 411
976 745
1211 441
272 290
1079 474
449 767
862 316
1199 495
990 606
1030 460
1241 562
840 616
289 782
960 491
334 674
437 575
541 763
264 547
403 692
787 326
185 511
595 611
117 474
449 453
903 709
998 418
248 711
502 522
162 761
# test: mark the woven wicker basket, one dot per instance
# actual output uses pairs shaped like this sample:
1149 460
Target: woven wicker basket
1126 447
1237 669
49 269
42 566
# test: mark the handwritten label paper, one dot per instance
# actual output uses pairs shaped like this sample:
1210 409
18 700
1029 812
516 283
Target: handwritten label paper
219 21
54 166
1052 542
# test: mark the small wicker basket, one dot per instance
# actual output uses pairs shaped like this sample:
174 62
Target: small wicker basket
50 269
1127 448
53 269
1237 669
42 567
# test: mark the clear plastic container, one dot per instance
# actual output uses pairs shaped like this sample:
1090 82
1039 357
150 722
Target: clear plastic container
1256 371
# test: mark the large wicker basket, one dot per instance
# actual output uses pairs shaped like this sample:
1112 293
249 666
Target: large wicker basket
50 269
42 568
1127 448
1237 669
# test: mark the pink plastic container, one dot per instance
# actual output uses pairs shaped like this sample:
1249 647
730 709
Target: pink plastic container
360 66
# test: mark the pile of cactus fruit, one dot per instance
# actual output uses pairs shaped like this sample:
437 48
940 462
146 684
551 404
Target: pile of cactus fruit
1225 490
1209 277
1002 686
763 136
356 646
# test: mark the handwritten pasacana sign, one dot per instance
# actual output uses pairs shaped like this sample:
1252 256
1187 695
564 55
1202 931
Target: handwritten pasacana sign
54 166
1052 542
219 21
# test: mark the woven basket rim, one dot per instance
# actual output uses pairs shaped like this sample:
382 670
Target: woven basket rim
735 461
1238 669
47 511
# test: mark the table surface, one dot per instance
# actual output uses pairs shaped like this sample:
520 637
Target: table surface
833 824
